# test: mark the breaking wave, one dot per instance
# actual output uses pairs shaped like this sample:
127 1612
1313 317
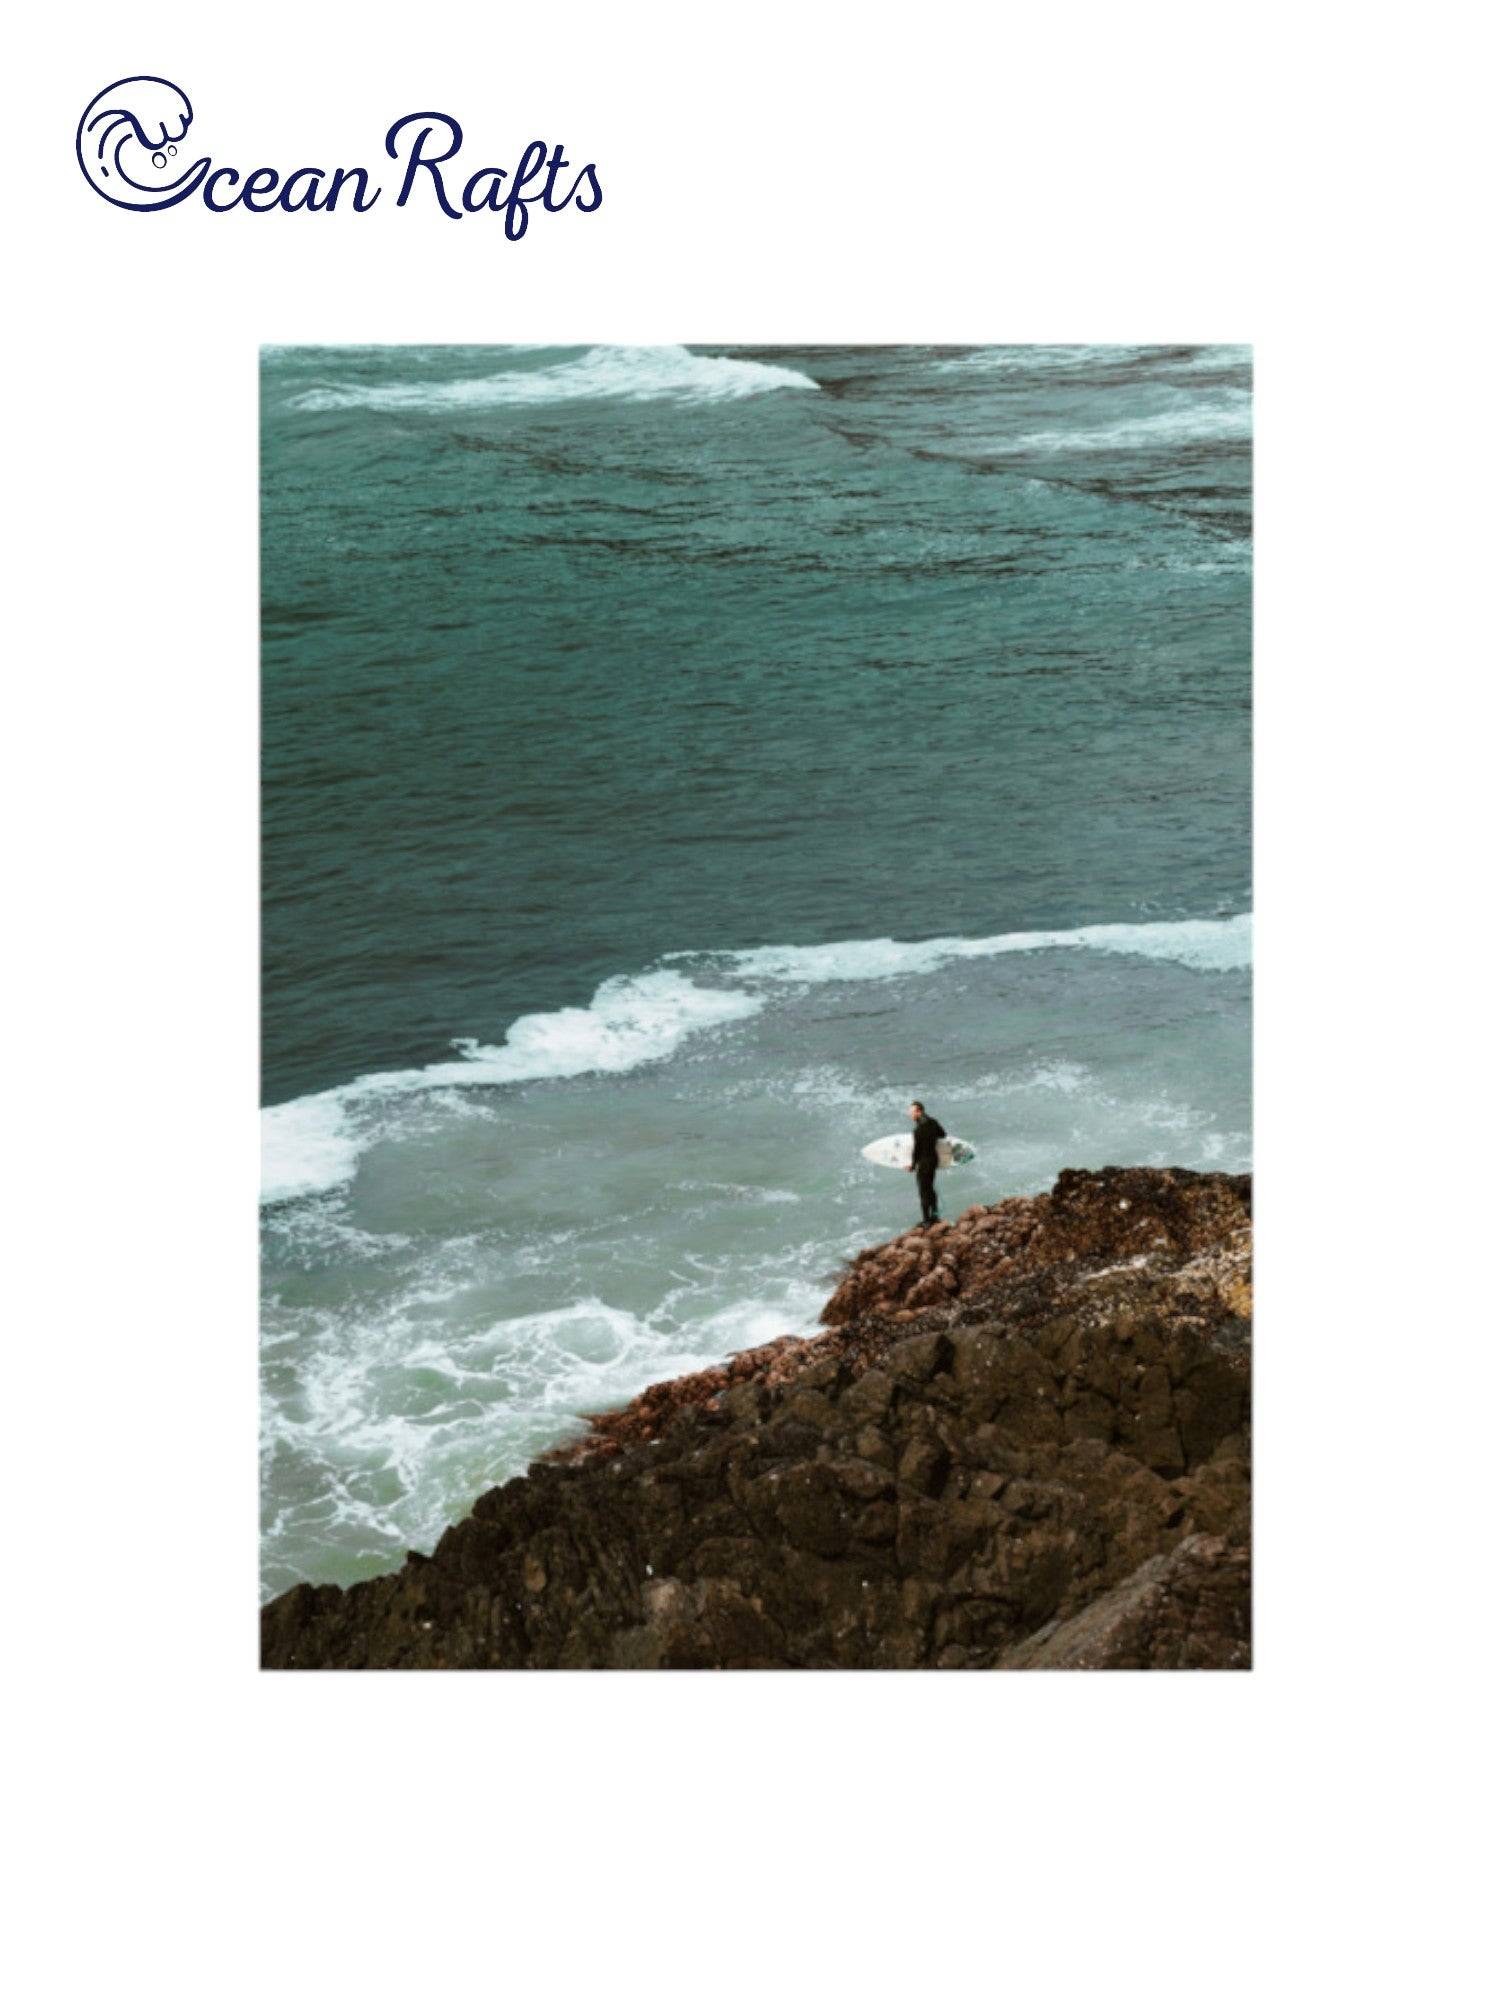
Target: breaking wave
1206 944
609 371
1225 419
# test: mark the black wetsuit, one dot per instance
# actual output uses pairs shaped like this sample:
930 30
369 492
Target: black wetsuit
928 1134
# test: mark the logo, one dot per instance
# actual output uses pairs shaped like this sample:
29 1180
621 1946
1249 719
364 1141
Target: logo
132 146
128 144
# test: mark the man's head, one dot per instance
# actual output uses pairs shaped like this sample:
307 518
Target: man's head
916 1109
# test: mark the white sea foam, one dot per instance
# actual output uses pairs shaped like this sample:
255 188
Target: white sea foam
632 1020
610 371
393 1420
1206 944
998 358
581 1356
308 1145
1225 418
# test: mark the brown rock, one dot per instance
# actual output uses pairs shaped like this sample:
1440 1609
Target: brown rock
1186 1609
1043 1460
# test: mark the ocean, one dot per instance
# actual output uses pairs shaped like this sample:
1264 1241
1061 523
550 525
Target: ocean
675 761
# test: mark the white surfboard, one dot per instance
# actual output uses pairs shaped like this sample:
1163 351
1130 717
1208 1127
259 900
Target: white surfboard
895 1151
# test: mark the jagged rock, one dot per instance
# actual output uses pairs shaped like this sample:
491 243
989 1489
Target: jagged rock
1044 1462
1185 1609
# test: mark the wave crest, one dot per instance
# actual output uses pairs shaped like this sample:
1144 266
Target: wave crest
1225 419
1206 944
609 371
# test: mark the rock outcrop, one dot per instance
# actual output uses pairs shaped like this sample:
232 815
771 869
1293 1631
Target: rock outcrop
1021 1441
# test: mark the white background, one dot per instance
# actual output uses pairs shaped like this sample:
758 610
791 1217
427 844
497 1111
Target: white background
193 1835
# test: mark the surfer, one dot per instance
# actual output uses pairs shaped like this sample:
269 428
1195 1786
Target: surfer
927 1136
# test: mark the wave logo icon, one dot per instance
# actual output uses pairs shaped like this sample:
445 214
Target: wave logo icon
129 141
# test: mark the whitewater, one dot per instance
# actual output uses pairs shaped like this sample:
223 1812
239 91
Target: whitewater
613 371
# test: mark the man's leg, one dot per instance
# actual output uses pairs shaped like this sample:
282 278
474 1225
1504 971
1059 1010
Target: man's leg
929 1207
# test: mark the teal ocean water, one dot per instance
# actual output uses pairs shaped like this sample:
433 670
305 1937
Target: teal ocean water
673 762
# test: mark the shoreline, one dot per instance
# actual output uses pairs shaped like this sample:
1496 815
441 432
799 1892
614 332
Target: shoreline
1019 1439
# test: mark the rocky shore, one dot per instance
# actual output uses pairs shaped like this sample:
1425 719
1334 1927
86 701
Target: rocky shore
1020 1441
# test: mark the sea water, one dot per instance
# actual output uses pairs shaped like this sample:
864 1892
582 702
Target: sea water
674 762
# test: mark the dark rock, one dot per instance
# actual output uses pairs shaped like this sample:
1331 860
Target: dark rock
1024 1441
920 1358
1186 1609
923 1465
870 1399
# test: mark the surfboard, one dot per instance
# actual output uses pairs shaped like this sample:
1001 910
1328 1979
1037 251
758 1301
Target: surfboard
895 1151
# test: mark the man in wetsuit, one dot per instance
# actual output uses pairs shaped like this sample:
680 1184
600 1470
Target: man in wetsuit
927 1136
